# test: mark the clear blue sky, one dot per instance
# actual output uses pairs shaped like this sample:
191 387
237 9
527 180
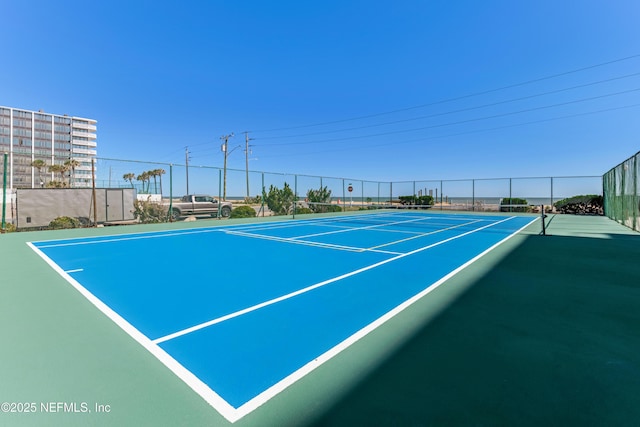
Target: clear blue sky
373 90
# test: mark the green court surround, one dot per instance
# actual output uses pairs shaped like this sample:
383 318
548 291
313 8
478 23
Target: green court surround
541 331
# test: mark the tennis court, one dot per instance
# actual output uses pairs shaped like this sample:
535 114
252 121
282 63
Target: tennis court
241 312
536 331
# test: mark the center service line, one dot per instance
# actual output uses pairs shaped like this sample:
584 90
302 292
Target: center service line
312 287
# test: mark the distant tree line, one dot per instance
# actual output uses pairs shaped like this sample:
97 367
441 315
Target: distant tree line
145 178
67 168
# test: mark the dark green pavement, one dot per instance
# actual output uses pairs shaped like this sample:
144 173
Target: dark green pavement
548 335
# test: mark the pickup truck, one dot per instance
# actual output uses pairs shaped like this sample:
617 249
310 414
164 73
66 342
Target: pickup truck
198 204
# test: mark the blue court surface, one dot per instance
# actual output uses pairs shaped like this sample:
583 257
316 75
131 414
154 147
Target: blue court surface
240 312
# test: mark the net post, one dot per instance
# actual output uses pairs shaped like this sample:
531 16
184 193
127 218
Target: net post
542 217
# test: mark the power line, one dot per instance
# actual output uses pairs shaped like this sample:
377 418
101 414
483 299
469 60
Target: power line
493 104
527 110
428 138
553 76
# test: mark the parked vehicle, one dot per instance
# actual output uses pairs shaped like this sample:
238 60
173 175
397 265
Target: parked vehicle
199 204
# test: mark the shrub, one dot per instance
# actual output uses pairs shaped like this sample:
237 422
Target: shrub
56 184
64 222
253 200
318 199
514 201
243 212
422 201
302 210
584 204
279 201
148 212
9 228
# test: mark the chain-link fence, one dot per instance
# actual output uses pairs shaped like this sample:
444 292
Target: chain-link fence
167 183
173 180
622 193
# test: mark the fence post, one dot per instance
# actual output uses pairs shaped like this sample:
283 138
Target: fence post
510 197
170 191
473 195
295 195
636 205
344 203
4 193
93 192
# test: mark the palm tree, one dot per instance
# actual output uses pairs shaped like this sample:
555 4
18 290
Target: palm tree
71 165
144 177
57 169
39 164
129 177
155 174
160 172
152 174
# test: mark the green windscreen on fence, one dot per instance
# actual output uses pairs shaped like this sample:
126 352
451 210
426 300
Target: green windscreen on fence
622 193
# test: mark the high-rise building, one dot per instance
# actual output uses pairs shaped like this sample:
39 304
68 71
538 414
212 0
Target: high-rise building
46 150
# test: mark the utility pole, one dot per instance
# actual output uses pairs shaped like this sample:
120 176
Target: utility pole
186 161
225 149
246 154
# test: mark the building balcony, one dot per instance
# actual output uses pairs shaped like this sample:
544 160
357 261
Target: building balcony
85 151
84 143
84 126
84 134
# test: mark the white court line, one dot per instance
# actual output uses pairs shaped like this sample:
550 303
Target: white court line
218 228
351 227
131 237
421 235
306 243
367 227
274 390
312 287
231 413
302 222
343 229
170 233
210 396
